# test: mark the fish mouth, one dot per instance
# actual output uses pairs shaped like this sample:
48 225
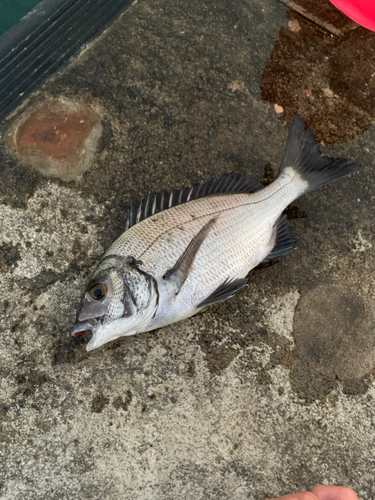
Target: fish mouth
83 327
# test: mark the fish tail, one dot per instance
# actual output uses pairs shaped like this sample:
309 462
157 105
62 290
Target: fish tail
302 155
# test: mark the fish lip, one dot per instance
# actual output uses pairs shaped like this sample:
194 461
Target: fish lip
94 343
83 327
90 346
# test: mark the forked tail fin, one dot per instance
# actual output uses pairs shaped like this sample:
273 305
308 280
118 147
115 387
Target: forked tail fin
302 155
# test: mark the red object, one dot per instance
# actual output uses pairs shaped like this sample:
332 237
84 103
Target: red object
361 11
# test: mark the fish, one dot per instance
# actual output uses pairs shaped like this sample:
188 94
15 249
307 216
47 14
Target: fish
186 250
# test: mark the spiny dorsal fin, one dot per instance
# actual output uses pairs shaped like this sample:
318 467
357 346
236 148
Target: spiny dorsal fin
285 241
228 184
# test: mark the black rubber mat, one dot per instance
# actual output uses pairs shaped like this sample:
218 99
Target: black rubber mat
46 39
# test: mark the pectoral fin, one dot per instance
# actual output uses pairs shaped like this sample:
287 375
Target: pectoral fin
181 269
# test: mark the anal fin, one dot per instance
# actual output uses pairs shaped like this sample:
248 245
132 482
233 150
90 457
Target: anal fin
224 291
285 241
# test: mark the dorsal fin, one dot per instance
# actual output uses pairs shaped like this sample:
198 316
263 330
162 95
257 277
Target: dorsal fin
228 184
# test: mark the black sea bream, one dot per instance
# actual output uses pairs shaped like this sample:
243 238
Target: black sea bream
188 249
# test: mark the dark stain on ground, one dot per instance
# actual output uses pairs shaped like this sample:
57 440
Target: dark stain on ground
341 349
352 70
220 348
217 357
268 175
328 80
344 347
191 369
9 256
72 351
123 402
18 183
47 277
4 409
36 286
99 403
307 383
293 212
355 387
326 353
28 384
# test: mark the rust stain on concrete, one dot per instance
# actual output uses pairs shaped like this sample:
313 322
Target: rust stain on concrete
58 138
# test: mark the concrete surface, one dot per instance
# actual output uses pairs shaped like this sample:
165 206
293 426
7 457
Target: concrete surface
267 393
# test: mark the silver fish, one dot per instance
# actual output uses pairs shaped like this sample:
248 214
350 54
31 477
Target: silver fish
188 249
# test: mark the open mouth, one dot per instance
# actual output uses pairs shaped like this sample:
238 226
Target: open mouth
83 327
81 332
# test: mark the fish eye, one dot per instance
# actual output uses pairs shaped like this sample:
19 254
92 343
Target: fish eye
98 292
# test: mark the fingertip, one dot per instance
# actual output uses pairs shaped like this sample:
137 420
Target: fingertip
333 493
302 495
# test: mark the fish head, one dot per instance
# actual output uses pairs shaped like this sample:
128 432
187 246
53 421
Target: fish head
120 299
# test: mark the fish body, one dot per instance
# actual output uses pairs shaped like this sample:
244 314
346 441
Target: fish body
172 263
242 235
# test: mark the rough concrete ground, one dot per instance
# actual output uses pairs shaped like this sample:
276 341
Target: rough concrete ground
267 393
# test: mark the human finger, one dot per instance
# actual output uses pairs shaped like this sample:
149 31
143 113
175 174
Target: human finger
302 495
334 493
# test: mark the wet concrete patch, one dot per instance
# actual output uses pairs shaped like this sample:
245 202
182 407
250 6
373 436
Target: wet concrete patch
28 384
217 357
99 402
9 256
72 351
244 328
324 339
344 346
334 341
123 402
328 80
58 138
18 183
